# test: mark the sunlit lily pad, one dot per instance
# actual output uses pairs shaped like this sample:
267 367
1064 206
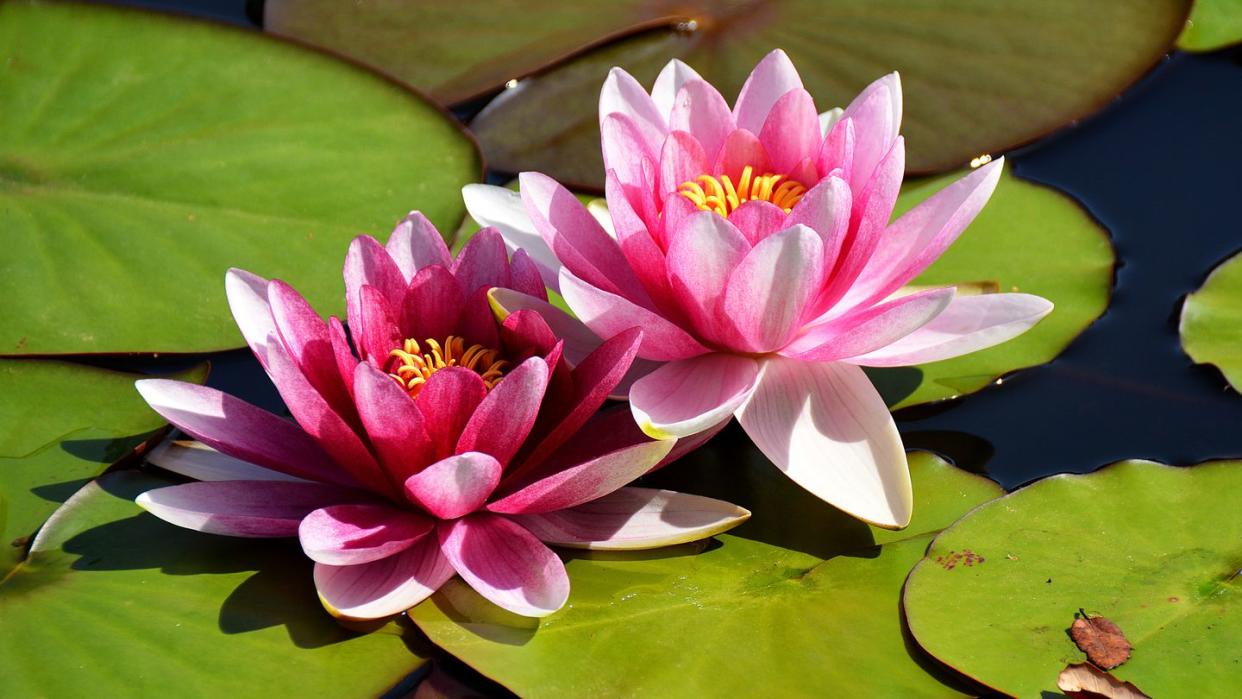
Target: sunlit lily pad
1211 325
141 156
979 76
1213 24
114 602
1155 549
800 600
60 426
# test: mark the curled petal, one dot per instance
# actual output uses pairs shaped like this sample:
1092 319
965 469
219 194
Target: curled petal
506 564
689 396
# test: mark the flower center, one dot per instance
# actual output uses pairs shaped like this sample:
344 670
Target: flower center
412 364
719 194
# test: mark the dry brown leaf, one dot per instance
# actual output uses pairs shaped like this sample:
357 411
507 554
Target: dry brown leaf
1086 681
1101 639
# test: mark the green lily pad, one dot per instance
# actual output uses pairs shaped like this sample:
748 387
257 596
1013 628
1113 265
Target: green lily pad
979 76
1211 325
143 155
60 426
114 602
1156 549
1029 238
1213 24
810 594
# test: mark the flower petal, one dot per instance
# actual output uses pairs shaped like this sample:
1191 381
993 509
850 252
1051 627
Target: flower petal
771 79
791 132
506 564
607 314
635 519
637 244
305 337
385 587
525 275
969 324
415 243
455 486
668 83
501 422
704 251
483 262
257 509
247 295
758 219
869 329
700 111
686 397
348 535
447 401
377 332
826 210
829 119
578 338
772 286
876 115
239 429
622 94
503 210
825 426
368 264
681 159
395 426
741 148
196 460
625 151
432 305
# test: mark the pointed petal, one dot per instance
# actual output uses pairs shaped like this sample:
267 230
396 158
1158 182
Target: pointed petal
772 286
431 307
368 264
681 159
257 509
455 486
635 519
704 251
202 463
506 564
758 219
247 295
394 425
870 329
876 114
239 429
377 332
836 153
741 148
578 338
625 150
607 314
525 275
826 427
689 396
772 78
501 422
703 113
622 94
503 210
447 401
305 337
385 587
826 210
637 244
347 535
477 323
791 132
672 77
483 262
415 243
969 324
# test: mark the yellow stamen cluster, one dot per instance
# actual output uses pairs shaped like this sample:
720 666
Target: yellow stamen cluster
720 195
411 365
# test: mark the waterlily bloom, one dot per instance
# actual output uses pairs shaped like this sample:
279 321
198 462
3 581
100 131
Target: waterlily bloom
754 247
439 442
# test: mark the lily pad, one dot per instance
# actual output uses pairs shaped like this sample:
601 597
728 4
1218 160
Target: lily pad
143 155
979 76
1211 325
1213 24
1029 238
1154 548
114 602
801 600
60 426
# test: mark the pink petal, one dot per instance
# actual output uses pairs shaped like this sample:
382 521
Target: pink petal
826 427
477 323
701 256
242 508
622 94
578 338
415 243
455 486
869 329
247 295
483 263
672 77
376 333
347 535
772 78
342 353
826 210
675 210
502 209
919 237
432 305
635 519
202 463
447 401
703 113
681 160
607 314
525 275
625 150
305 336
876 115
741 148
791 132
578 240
506 564
688 396
501 422
239 429
771 287
385 587
836 154
969 324
394 425
368 264
758 219
640 249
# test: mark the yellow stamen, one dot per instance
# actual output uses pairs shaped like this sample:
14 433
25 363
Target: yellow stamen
721 195
411 366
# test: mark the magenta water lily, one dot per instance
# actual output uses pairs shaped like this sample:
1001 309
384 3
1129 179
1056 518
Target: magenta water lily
437 442
753 246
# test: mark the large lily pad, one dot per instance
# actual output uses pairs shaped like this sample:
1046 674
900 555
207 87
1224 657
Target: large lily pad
114 602
800 600
980 75
1211 325
142 155
60 426
1213 24
1155 549
1029 238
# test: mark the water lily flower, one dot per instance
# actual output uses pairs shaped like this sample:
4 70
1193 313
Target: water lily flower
754 247
439 442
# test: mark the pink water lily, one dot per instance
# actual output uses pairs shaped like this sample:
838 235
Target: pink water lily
438 442
754 248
